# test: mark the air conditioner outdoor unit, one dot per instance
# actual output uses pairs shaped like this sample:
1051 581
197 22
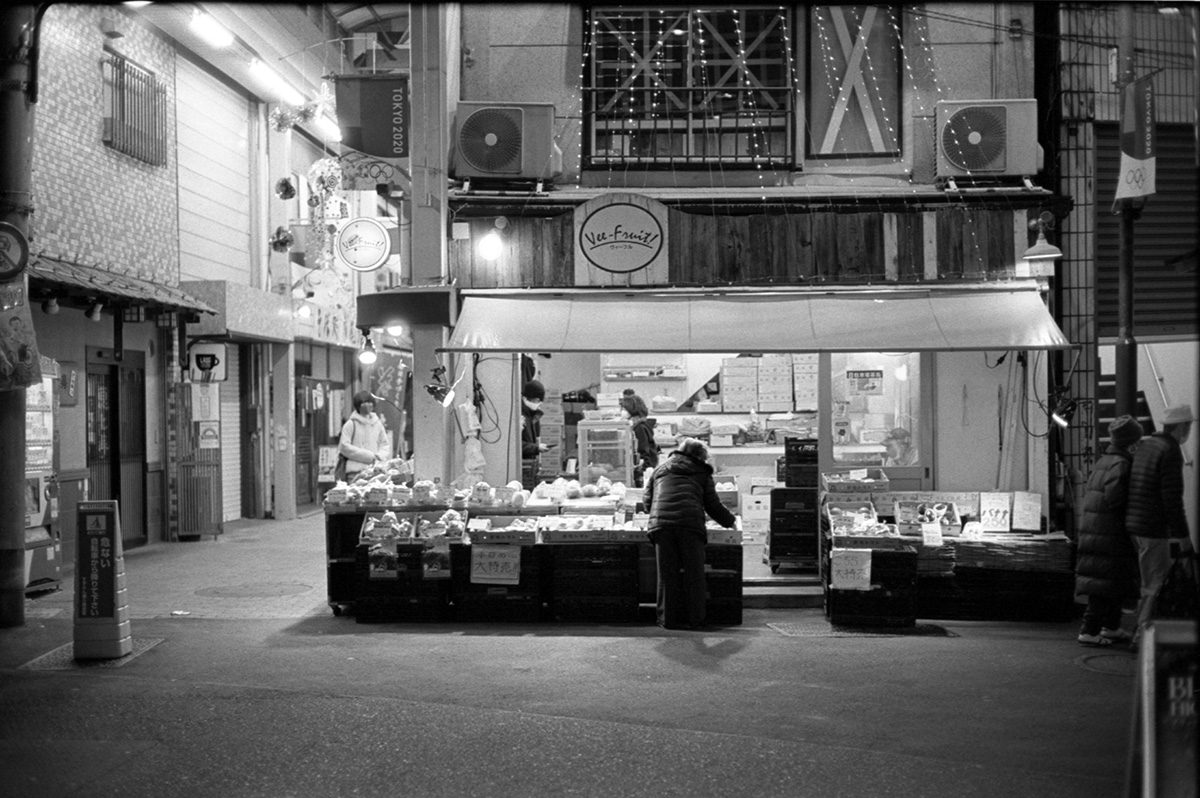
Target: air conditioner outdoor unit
505 141
987 138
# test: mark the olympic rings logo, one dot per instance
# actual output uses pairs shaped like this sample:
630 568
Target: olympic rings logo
1135 177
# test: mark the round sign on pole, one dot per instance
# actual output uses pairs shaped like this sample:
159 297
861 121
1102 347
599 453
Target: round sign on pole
14 251
364 244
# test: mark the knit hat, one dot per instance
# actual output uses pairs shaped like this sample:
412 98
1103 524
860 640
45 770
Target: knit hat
899 434
1124 431
694 449
1178 414
534 391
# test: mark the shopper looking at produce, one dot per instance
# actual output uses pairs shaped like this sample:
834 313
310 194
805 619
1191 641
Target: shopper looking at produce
678 494
1155 516
1106 562
645 450
532 396
364 441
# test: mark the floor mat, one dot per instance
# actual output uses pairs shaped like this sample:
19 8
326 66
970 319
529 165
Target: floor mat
820 627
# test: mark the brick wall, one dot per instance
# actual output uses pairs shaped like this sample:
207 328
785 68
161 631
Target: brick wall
94 205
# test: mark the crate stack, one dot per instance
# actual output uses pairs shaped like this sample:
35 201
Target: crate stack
723 570
391 585
553 425
891 600
794 526
775 384
739 384
595 582
522 602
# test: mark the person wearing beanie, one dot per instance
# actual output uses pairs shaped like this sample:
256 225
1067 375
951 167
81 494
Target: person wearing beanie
645 450
1106 561
364 441
678 495
1155 516
532 396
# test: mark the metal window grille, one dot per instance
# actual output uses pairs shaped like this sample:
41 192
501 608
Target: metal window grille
136 105
670 87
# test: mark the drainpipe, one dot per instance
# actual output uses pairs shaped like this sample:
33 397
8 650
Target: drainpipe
17 95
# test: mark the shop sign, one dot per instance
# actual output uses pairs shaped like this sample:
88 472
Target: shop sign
374 114
206 362
365 244
620 239
864 382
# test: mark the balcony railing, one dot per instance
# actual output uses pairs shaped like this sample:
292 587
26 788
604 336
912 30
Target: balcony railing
680 127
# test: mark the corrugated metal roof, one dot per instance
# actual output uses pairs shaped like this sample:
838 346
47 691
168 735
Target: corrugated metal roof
101 283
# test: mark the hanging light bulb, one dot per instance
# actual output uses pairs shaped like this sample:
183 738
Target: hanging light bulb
94 311
50 306
367 355
394 330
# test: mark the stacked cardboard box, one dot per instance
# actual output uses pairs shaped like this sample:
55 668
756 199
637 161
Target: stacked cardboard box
775 383
739 384
804 381
553 422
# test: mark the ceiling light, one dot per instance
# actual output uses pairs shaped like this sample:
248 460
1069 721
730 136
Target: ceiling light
1042 249
94 311
271 80
208 29
394 330
490 246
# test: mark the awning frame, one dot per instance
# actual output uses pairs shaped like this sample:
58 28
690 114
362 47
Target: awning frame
1001 315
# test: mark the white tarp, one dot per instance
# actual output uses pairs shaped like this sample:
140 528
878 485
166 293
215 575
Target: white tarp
1012 316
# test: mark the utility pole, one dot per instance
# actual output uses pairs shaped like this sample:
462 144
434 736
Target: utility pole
17 26
1127 364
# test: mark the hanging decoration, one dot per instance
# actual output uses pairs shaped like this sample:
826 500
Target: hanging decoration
282 239
284 189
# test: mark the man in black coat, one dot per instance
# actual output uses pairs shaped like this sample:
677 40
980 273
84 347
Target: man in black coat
678 495
1155 515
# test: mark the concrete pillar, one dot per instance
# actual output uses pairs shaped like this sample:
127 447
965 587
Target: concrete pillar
283 432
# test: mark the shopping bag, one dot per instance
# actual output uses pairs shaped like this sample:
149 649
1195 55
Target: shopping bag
1179 596
339 470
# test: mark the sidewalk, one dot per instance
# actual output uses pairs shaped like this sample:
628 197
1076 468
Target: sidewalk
243 683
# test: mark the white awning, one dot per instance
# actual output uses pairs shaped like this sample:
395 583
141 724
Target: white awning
997 316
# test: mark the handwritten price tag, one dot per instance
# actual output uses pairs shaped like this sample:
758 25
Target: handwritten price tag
850 569
495 565
931 534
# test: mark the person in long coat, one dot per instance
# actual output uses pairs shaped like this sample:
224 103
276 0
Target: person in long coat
1106 561
678 495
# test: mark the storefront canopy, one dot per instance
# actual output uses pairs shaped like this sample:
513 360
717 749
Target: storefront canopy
998 316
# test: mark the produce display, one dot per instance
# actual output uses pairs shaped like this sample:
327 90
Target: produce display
851 518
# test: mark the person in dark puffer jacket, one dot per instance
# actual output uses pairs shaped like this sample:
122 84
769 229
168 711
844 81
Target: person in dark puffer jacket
1106 561
1155 516
678 494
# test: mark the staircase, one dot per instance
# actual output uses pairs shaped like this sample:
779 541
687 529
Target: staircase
1106 409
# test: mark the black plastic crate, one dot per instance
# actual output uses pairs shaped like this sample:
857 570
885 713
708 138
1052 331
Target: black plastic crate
723 585
782 544
867 607
723 612
797 451
495 607
342 579
800 476
592 555
385 609
725 556
532 580
795 500
596 582
596 609
341 533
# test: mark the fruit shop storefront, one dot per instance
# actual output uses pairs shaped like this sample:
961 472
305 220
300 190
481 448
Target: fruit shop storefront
841 369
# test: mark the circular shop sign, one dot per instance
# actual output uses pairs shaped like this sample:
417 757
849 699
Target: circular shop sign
621 238
363 244
14 251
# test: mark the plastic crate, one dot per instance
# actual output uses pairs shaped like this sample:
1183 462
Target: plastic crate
723 612
596 609
724 556
385 609
593 555
510 608
600 582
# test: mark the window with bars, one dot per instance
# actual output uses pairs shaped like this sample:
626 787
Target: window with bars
679 86
687 86
135 104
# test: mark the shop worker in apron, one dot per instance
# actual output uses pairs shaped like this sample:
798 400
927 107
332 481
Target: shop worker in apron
364 440
678 495
532 396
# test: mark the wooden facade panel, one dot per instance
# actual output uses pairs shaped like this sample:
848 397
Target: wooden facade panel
758 249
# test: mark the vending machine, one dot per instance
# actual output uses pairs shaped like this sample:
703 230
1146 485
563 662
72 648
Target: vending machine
43 541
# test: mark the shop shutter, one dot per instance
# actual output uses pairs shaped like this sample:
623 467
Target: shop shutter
1165 294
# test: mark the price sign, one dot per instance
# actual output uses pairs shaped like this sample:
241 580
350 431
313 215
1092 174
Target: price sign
850 569
972 530
1027 511
995 511
496 565
931 534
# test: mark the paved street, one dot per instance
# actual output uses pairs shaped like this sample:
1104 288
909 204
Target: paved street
243 683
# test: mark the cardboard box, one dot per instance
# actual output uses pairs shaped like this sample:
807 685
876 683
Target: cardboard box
725 537
849 517
911 514
840 482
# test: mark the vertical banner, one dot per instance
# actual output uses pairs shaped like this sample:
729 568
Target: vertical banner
373 113
1138 146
